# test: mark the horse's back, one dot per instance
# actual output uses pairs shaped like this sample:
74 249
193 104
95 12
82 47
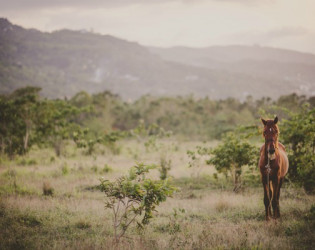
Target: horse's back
284 161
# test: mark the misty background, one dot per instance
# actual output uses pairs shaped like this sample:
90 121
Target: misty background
211 48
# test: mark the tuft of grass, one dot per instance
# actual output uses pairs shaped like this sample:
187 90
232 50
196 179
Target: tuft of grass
11 173
83 224
65 169
48 190
222 206
26 162
107 169
94 168
15 189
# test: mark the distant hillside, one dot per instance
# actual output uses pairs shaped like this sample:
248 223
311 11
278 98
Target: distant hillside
294 69
66 62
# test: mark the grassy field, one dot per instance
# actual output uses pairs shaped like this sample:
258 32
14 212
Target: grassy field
204 214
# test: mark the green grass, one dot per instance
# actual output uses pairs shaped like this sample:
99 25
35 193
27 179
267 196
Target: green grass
204 214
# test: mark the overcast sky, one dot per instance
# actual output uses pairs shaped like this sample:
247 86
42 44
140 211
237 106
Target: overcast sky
195 23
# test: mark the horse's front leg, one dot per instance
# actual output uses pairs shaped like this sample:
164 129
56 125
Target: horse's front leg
276 185
267 197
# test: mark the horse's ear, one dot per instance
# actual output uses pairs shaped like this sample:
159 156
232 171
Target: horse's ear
275 120
263 121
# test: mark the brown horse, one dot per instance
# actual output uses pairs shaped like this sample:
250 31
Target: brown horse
273 165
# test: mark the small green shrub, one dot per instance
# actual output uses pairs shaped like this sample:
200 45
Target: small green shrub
133 198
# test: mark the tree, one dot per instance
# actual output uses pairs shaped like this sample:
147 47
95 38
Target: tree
133 198
231 155
18 113
299 133
56 123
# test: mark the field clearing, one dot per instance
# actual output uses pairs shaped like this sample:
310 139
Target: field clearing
204 214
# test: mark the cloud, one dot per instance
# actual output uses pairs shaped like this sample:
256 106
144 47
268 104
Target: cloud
286 32
43 4
11 5
268 36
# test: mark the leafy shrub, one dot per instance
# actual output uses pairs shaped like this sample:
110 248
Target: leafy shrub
231 155
133 198
299 133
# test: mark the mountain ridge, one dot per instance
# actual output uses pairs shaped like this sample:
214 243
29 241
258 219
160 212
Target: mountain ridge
65 62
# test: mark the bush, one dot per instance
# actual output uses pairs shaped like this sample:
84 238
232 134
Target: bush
133 198
299 133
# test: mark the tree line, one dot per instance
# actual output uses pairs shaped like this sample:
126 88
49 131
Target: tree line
26 120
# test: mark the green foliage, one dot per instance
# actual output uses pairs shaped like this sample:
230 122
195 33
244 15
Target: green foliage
134 196
82 140
27 120
299 133
57 123
231 155
197 157
149 135
18 112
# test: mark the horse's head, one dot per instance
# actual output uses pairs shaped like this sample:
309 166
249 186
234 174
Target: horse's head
271 133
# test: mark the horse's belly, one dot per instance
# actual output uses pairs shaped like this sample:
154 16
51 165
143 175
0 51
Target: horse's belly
284 163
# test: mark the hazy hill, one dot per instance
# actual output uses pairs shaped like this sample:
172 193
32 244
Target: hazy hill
65 62
294 68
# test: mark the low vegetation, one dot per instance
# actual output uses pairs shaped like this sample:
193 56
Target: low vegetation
56 201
